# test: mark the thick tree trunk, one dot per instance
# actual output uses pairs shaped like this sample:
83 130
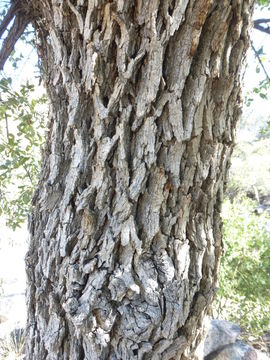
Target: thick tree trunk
126 229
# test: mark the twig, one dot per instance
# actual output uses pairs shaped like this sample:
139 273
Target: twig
257 25
28 174
260 61
261 28
7 130
261 21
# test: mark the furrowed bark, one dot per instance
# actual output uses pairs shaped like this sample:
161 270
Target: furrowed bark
126 228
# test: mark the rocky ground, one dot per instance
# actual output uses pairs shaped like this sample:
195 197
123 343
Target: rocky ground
223 343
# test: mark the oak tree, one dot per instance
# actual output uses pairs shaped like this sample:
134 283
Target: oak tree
125 227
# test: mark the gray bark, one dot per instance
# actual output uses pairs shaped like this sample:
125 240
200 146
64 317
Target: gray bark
125 228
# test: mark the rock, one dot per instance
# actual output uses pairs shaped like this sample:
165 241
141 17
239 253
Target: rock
220 333
221 343
236 351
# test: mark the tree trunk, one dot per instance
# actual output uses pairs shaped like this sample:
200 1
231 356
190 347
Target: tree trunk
125 228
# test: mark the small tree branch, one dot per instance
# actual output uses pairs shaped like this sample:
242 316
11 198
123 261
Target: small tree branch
261 21
260 61
7 129
19 12
9 16
263 29
16 31
257 24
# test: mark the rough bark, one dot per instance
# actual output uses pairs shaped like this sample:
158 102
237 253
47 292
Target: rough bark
126 229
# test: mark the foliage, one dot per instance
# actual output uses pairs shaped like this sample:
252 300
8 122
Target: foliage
262 88
250 171
245 268
264 3
13 346
265 131
21 137
261 57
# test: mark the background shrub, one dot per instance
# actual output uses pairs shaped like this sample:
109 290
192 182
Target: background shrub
244 281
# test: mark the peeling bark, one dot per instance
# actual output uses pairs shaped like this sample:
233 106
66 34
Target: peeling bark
126 228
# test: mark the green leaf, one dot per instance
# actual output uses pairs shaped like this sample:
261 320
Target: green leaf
20 149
